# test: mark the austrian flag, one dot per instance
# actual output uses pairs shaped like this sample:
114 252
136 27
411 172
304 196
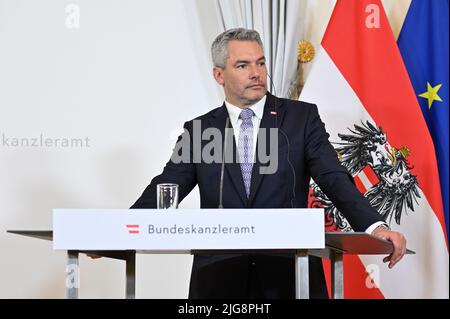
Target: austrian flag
366 100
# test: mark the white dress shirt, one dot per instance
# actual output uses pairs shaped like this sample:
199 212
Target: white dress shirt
258 110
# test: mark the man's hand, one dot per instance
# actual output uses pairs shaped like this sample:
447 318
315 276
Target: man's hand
93 256
398 241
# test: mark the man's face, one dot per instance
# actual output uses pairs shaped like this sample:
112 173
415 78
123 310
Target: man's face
244 77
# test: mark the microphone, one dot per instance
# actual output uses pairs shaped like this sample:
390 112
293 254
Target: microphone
223 165
275 112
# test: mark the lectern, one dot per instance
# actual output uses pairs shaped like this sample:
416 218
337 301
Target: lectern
123 233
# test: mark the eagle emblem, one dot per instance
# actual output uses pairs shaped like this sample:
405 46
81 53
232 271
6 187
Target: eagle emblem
381 173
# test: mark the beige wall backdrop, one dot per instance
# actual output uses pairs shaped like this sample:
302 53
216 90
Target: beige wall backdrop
120 77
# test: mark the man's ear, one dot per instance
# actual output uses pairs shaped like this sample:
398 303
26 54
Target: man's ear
218 76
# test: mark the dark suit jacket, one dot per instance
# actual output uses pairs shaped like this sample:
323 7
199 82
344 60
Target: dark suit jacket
311 154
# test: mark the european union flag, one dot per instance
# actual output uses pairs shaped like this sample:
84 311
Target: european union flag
423 43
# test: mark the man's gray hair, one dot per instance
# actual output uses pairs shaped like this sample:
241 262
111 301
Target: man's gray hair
219 48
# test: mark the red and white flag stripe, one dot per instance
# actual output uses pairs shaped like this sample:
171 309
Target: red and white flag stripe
366 179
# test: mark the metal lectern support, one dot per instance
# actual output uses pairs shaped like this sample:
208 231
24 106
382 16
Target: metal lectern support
301 274
130 274
336 257
72 275
337 274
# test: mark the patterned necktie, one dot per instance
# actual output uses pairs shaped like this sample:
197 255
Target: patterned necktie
245 148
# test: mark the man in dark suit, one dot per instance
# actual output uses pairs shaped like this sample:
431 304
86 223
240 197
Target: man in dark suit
303 151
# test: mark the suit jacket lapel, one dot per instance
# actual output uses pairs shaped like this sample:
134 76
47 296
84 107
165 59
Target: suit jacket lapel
273 111
219 120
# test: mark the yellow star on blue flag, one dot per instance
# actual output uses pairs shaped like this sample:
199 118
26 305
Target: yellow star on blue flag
431 94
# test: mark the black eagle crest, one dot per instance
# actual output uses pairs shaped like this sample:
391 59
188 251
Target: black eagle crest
397 189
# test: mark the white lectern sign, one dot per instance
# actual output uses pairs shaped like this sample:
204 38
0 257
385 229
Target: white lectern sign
187 229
